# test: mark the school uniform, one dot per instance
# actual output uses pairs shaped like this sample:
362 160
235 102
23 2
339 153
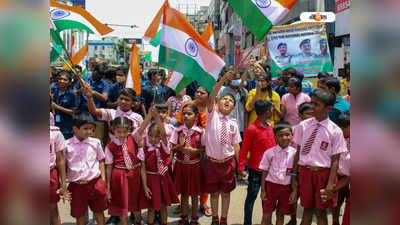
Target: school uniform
188 172
279 163
69 100
86 185
344 170
101 86
318 141
57 144
156 159
221 133
125 181
292 104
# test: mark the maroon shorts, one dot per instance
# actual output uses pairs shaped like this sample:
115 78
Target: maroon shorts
125 188
54 185
93 194
311 182
278 198
220 177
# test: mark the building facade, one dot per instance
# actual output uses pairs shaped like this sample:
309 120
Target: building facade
104 49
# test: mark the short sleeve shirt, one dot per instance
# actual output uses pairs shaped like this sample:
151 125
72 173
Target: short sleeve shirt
213 132
278 162
329 141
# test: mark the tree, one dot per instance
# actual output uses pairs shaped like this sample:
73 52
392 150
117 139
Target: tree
123 50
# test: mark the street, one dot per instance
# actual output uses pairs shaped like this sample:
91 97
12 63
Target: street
236 212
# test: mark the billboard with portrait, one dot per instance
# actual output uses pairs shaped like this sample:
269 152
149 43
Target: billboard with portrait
303 46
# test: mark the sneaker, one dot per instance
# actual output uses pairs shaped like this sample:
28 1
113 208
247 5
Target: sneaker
205 210
113 220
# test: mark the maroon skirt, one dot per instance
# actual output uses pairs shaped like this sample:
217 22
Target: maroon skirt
125 188
163 192
188 178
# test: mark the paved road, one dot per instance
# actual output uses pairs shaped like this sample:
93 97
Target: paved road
236 213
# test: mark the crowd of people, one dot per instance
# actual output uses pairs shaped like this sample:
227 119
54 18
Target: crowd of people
125 152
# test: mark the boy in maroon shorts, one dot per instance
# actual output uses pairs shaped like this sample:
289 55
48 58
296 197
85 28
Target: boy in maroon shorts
57 171
86 173
319 142
276 164
221 138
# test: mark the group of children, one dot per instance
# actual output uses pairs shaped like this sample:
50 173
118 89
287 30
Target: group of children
149 162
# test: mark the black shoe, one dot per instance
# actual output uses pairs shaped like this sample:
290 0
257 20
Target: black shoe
113 220
292 222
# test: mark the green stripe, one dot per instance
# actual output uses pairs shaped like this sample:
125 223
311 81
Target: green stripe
157 40
326 66
252 17
71 24
186 65
183 83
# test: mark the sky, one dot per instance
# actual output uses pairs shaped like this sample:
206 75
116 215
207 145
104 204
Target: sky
131 12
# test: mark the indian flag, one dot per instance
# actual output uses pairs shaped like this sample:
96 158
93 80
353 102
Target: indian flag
260 15
153 31
183 50
79 58
74 17
177 81
133 79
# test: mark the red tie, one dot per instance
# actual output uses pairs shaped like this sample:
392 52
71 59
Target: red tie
188 135
310 141
127 159
160 163
224 134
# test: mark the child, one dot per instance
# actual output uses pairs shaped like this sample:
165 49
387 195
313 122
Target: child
344 169
162 109
305 112
86 173
319 143
65 103
126 99
57 167
175 104
188 172
277 164
291 101
258 137
123 172
158 189
221 138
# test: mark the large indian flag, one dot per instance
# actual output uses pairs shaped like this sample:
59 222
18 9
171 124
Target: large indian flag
260 15
177 81
74 17
183 50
